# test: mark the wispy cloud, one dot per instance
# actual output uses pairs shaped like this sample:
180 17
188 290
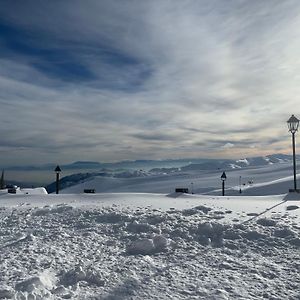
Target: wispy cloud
109 80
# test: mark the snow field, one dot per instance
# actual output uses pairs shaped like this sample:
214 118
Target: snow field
273 179
183 248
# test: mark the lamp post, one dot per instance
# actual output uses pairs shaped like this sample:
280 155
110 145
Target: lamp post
240 182
223 178
57 171
293 124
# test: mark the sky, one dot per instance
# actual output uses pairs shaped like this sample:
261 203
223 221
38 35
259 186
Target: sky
105 80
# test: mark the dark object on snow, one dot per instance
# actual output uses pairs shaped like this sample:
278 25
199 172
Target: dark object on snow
11 189
89 191
182 190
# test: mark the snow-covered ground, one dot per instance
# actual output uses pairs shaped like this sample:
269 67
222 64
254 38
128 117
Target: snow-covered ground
255 181
149 246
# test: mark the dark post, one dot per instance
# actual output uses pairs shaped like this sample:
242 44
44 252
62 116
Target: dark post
57 183
223 188
240 184
57 171
223 178
294 161
293 124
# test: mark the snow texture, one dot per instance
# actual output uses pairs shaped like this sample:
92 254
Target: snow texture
143 246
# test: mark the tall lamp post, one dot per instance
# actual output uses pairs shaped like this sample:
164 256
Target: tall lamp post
57 171
223 178
293 124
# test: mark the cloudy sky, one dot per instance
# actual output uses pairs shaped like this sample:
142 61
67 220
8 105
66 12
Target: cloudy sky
109 80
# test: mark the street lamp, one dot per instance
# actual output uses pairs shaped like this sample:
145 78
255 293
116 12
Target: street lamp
293 124
57 171
223 178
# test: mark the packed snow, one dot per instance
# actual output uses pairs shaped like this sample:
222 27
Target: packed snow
149 246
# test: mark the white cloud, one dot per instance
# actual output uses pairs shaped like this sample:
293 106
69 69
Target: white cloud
228 146
230 71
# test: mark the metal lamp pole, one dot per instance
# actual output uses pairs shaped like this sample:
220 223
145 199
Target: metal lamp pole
294 160
57 171
293 124
223 178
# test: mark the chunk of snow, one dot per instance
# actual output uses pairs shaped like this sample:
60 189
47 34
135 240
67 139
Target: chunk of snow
143 246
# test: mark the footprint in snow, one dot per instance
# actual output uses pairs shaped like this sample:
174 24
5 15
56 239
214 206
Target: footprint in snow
252 214
292 207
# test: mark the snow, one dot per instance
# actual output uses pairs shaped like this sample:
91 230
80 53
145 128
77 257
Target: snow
35 191
271 179
149 246
244 161
27 191
233 166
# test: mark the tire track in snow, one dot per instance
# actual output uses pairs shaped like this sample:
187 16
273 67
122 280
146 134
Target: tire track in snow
265 211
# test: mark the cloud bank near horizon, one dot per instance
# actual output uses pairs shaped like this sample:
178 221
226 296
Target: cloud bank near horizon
115 80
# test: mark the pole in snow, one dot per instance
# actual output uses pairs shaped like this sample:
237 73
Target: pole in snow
223 178
57 171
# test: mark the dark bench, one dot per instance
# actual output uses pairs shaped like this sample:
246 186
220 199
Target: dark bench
89 191
182 190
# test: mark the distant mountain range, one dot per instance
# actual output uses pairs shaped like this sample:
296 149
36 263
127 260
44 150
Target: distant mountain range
168 163
144 168
83 165
241 163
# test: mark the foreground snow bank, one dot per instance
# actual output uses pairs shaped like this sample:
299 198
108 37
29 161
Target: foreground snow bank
69 251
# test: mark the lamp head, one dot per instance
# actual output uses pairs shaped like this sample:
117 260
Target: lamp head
293 124
57 170
223 176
